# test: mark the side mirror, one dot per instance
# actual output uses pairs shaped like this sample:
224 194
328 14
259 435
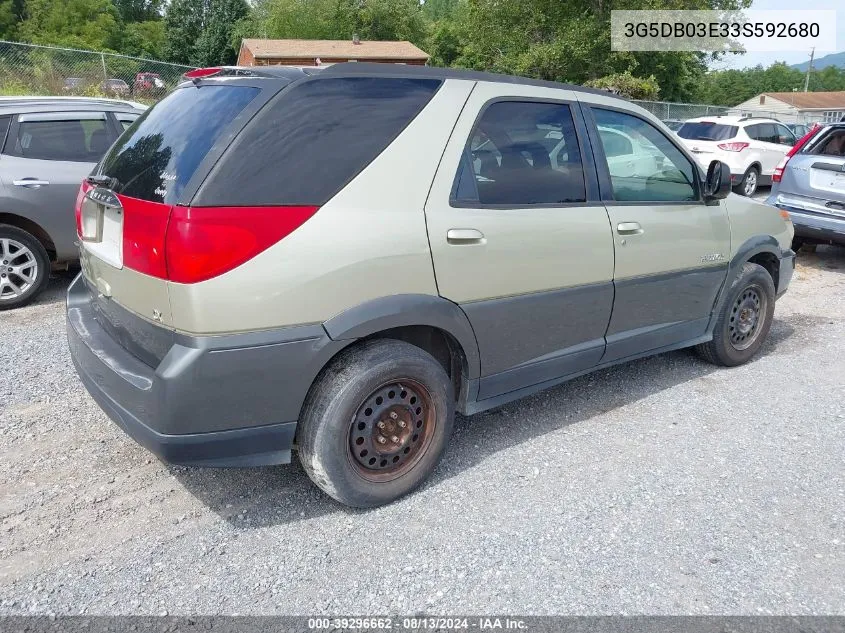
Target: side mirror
717 184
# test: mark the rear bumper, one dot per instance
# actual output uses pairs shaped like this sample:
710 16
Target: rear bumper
817 226
211 401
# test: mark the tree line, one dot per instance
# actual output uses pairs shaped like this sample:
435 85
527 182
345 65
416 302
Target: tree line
547 39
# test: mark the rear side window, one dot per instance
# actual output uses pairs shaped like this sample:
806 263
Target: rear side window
157 157
707 131
312 139
522 154
64 137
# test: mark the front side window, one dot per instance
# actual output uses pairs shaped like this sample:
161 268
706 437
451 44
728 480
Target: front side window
60 137
520 154
651 168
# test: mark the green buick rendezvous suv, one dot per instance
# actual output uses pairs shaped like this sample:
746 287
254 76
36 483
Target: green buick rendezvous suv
335 263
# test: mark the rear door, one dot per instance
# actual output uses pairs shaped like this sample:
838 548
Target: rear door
518 237
768 142
45 158
671 249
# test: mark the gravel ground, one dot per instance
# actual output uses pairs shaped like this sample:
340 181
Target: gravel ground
664 486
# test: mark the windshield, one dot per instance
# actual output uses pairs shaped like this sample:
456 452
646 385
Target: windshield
157 156
707 131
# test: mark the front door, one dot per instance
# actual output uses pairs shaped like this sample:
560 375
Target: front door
671 248
514 239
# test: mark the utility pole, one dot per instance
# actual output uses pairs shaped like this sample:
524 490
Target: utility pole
809 69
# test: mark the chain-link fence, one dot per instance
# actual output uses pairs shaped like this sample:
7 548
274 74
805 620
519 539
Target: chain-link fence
666 111
29 69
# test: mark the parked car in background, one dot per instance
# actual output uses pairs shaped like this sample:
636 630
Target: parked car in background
751 146
798 129
674 124
47 147
810 184
148 84
423 241
115 87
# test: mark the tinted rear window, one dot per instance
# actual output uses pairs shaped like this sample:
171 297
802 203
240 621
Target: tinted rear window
312 139
705 131
159 153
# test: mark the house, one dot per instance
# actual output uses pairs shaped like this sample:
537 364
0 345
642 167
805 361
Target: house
796 107
260 52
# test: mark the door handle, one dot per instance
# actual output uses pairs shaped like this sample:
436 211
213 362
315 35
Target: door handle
464 236
30 183
629 228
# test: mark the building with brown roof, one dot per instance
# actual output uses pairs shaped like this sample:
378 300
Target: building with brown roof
797 107
259 52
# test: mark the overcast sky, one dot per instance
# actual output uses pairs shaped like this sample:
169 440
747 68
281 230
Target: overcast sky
790 57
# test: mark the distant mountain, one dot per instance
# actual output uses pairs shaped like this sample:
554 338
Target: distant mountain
834 59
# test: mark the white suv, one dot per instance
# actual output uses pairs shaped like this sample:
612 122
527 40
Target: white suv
751 146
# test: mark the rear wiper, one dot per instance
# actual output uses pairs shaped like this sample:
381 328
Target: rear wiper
102 181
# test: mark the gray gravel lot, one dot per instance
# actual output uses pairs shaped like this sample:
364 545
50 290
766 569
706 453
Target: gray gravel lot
663 486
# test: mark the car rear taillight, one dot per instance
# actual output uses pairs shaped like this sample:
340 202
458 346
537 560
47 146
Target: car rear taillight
203 242
144 232
733 147
84 188
777 176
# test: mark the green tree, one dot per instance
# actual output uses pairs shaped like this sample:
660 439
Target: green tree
88 24
11 15
182 28
214 45
144 39
627 85
138 10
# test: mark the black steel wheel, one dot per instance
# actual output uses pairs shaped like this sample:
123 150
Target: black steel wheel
375 422
744 319
392 428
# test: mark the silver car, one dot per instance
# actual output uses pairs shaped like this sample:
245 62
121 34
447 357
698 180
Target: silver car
810 184
48 146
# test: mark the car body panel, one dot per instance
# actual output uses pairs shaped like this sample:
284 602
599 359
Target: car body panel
308 286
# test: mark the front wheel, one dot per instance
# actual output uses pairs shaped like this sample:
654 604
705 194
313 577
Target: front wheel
24 267
745 318
376 422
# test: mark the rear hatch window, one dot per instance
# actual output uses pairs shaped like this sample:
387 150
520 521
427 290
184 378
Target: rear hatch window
159 153
320 134
707 131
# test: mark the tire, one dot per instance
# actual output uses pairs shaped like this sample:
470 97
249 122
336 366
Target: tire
364 387
18 246
732 344
748 185
797 243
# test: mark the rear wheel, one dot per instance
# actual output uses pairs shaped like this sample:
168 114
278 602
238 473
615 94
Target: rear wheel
748 185
745 318
376 422
24 267
797 243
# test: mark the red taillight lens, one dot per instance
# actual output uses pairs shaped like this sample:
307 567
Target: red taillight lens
80 196
204 242
732 147
144 230
201 72
777 176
